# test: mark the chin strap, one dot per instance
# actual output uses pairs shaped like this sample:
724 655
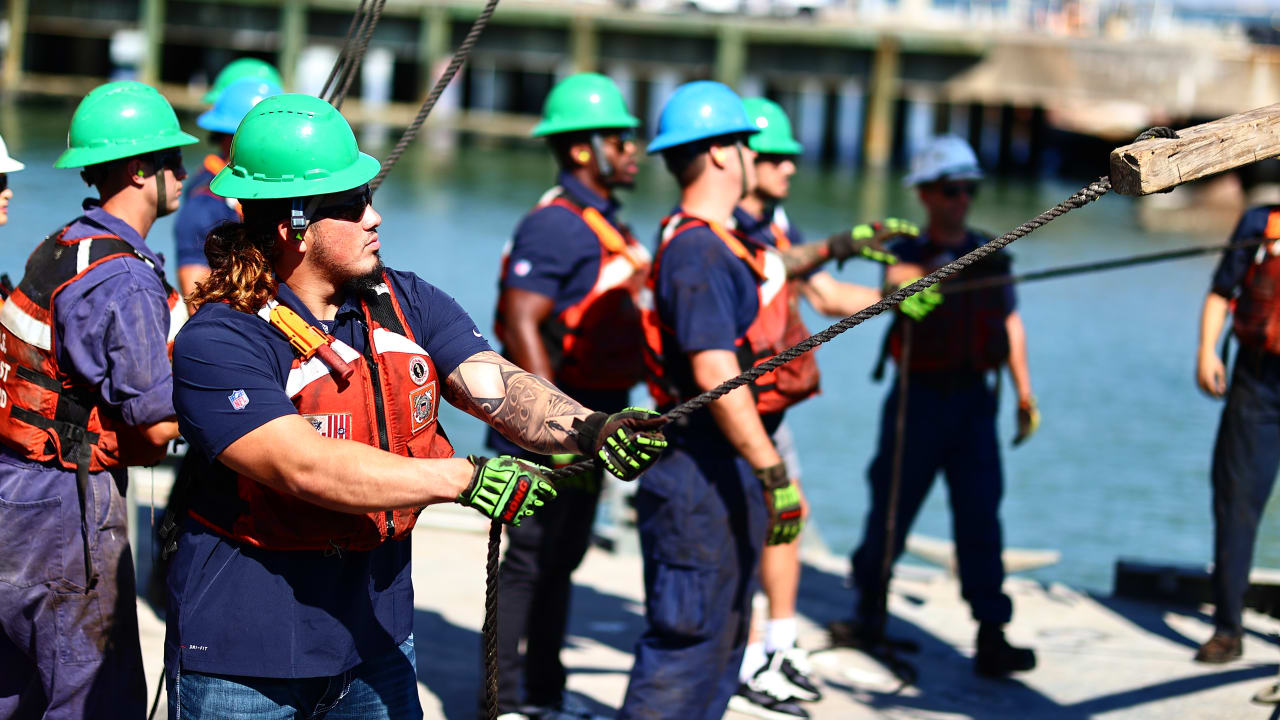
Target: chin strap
602 163
742 165
162 197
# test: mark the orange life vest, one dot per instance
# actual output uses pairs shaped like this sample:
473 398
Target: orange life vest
597 343
215 164
389 400
45 414
1256 321
772 330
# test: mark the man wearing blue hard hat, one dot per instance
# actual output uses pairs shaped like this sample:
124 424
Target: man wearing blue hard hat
202 210
705 509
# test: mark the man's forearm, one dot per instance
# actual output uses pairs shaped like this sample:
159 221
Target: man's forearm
1213 317
527 409
1018 366
837 299
800 259
525 346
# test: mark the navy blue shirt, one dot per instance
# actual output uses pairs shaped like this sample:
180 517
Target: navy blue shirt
201 211
554 253
239 610
921 251
761 229
1229 276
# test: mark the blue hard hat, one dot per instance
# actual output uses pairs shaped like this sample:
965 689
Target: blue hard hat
700 110
235 102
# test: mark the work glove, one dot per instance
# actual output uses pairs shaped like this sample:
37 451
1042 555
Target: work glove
1028 420
507 489
626 443
868 241
782 499
922 303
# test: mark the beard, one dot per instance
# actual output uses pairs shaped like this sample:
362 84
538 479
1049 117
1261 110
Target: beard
363 285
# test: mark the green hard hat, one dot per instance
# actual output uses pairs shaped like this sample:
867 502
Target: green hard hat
775 136
245 67
586 101
293 146
119 120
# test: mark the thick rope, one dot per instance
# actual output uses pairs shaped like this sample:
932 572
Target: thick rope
1082 197
459 57
490 628
362 46
340 63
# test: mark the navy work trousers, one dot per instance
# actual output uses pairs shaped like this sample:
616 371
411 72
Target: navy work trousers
66 651
702 520
1245 459
950 426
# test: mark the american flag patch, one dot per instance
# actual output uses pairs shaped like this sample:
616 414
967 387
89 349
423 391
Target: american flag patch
332 425
239 399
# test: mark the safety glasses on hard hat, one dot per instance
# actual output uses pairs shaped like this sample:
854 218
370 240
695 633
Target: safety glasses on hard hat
349 206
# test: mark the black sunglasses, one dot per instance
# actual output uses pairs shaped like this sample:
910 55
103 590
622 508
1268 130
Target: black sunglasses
171 160
4 182
955 190
349 206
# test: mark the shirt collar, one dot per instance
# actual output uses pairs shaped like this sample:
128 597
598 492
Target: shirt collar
95 214
750 225
287 297
607 206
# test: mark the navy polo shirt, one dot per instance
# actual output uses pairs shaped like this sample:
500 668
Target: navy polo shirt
554 253
201 211
921 251
1229 277
239 610
707 297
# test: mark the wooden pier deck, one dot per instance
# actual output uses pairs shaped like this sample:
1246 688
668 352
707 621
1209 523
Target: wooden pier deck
1098 656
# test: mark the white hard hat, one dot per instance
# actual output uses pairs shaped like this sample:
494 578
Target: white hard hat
8 164
945 156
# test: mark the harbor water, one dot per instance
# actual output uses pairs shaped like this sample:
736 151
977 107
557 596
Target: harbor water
1120 466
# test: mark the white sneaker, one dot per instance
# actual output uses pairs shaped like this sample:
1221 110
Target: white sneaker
794 665
767 695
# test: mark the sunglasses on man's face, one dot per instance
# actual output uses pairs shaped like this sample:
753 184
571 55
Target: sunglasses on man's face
955 190
171 160
349 206
4 182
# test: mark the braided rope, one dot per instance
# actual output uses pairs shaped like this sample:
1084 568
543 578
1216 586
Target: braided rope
340 63
490 628
1080 198
459 57
362 46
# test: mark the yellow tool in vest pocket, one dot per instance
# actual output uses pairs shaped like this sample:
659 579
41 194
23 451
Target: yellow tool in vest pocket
307 341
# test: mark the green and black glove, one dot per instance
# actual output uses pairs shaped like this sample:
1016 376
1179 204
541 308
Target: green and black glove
922 303
868 241
1028 420
626 443
507 489
782 499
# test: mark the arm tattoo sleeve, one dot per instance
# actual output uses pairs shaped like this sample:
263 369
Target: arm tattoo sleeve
527 409
800 259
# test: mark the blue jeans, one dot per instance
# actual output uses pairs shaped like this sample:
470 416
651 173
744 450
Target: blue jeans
1245 459
384 687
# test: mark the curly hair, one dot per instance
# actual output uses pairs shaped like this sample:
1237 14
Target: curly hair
240 255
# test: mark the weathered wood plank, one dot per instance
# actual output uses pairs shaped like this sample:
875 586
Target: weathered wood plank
1158 164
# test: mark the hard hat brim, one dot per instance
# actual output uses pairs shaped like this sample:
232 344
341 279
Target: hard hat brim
776 147
229 184
913 180
553 127
8 165
665 141
214 121
85 156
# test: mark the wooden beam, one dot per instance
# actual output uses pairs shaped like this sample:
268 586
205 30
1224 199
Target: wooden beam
17 43
1158 164
152 22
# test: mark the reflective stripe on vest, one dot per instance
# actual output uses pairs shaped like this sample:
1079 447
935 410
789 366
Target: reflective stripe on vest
1256 319
595 343
774 328
390 401
44 415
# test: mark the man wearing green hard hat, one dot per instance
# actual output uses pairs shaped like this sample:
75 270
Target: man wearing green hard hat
772 659
87 392
567 311
239 69
290 581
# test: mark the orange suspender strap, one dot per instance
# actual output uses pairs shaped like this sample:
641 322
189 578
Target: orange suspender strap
215 164
609 236
1273 225
780 239
738 249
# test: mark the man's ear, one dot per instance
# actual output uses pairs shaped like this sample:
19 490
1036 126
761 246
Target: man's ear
581 154
717 154
136 172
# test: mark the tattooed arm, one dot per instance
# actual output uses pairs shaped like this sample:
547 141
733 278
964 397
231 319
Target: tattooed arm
527 409
800 259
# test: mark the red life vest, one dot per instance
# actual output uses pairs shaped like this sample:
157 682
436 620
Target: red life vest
1256 321
597 343
390 401
45 414
775 328
966 333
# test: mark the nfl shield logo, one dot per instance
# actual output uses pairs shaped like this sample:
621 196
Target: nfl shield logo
238 399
